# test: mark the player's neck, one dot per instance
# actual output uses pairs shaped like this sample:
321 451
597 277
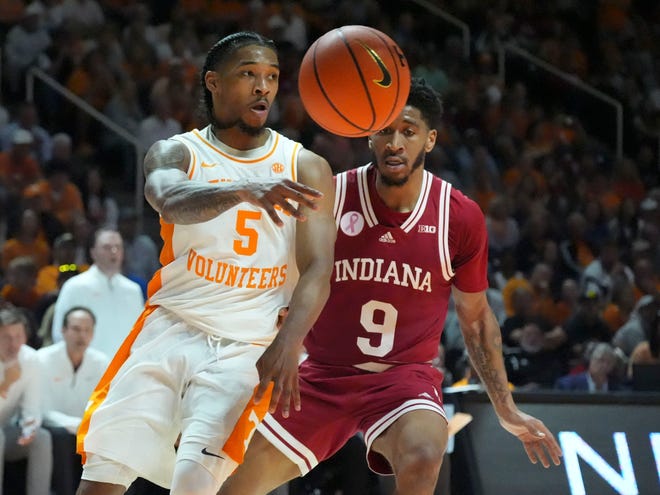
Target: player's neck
401 198
239 139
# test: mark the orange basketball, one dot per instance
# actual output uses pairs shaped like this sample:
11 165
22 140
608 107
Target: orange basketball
354 80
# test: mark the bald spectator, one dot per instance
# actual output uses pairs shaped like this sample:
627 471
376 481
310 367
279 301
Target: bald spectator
113 298
70 371
62 146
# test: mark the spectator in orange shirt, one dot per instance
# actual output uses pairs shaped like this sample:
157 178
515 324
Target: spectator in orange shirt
20 289
28 241
618 310
523 168
543 304
60 196
64 260
18 169
574 249
569 295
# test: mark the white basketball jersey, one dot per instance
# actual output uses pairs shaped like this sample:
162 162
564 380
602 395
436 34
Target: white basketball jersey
229 276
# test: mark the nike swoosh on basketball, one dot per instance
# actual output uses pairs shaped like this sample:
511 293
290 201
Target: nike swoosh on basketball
386 81
206 452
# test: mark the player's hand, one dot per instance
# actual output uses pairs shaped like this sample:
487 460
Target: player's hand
279 364
539 442
271 193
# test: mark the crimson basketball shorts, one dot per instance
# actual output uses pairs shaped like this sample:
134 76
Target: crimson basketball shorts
340 401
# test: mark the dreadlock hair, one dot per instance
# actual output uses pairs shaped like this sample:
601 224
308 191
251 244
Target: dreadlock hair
427 100
220 52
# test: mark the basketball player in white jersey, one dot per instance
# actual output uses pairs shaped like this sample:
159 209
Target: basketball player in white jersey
407 241
247 228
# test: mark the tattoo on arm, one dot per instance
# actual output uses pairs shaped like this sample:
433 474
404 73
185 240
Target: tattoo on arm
178 200
190 203
487 360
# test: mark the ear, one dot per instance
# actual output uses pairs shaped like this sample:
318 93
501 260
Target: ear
430 140
211 81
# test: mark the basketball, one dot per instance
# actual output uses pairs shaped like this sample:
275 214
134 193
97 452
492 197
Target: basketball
354 81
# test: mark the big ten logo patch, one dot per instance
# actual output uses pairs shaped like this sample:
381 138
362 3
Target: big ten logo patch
277 168
427 229
351 223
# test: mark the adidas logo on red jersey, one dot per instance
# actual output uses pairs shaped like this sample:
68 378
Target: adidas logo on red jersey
387 237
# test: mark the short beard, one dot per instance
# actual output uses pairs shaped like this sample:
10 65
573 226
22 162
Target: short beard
419 161
240 125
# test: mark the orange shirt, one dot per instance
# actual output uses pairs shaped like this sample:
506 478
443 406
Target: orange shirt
38 249
65 205
613 317
584 253
48 275
546 307
18 175
22 299
11 11
563 312
483 198
639 292
508 290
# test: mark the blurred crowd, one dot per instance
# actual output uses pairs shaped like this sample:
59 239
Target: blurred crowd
573 228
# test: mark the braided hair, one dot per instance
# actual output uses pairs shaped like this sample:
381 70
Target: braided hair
220 52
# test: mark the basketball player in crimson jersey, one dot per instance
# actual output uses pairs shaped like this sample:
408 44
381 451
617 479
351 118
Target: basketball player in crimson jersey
406 242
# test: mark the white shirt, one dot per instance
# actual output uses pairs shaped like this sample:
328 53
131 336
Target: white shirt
24 395
153 128
115 301
23 47
65 390
594 388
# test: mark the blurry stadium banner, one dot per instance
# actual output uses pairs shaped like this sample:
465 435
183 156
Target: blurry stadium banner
611 446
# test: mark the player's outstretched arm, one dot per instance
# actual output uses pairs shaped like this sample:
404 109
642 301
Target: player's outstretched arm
483 341
315 240
182 201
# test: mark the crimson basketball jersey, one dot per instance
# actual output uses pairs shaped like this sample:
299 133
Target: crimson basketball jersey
393 272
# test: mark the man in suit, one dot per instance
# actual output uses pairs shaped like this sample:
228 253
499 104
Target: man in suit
600 374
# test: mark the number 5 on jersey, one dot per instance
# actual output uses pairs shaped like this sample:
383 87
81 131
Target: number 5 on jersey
247 245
